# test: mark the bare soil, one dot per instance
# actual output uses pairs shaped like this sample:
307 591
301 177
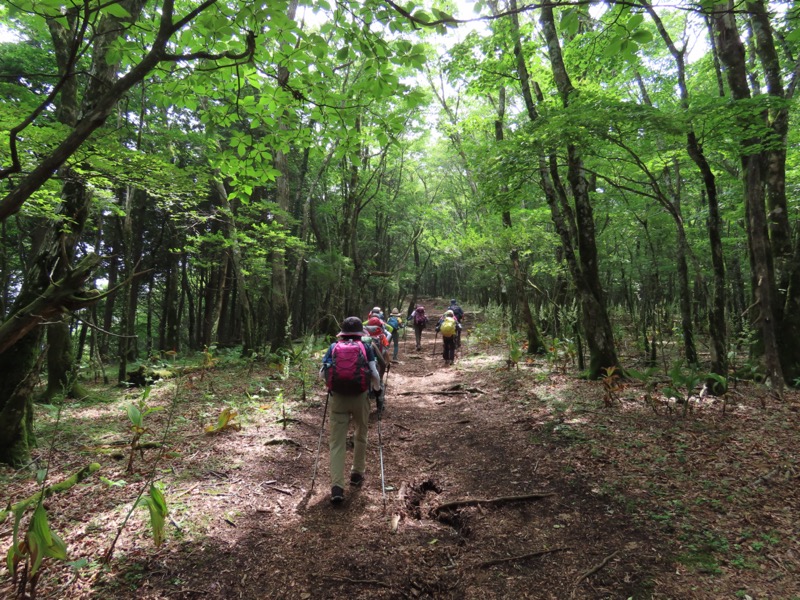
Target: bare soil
556 495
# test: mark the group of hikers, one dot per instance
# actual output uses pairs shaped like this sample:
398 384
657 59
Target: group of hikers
354 367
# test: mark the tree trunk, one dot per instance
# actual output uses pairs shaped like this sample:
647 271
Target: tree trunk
535 345
732 55
231 233
279 321
596 324
716 317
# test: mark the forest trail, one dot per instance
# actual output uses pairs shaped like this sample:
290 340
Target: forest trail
266 538
500 484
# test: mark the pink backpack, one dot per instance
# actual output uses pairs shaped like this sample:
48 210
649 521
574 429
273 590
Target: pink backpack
349 371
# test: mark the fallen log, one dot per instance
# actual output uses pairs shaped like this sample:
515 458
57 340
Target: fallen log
76 477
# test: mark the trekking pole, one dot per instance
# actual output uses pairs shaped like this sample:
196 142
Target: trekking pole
380 437
380 453
319 443
434 343
386 379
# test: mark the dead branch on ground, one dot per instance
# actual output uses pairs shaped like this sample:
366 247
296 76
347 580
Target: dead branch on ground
442 392
592 571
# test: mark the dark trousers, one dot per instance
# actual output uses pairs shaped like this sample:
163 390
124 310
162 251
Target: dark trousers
449 352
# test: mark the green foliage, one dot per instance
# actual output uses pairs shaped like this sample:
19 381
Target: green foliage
137 414
157 506
38 543
225 421
561 353
515 351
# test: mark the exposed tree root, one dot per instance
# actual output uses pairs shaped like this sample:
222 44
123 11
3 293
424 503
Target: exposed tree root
358 581
497 561
500 500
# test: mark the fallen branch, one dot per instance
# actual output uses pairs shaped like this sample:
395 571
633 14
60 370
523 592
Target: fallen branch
50 490
277 489
360 581
592 571
500 500
434 393
498 561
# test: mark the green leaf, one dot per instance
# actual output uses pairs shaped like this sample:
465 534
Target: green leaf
135 415
157 506
635 21
78 564
642 36
43 542
570 22
116 10
422 16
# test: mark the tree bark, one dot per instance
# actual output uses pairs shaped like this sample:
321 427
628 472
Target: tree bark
597 326
245 306
716 318
732 56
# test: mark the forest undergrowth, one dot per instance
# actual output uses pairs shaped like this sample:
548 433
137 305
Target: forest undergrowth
501 480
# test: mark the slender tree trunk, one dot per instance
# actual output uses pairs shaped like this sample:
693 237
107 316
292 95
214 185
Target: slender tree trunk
535 345
279 331
732 55
188 293
245 306
716 318
597 326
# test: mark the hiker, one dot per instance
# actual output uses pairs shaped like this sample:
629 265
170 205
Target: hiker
419 321
395 321
459 314
375 328
449 327
370 325
380 344
457 310
350 370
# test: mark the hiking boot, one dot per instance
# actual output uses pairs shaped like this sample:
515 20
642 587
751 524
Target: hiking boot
356 478
337 495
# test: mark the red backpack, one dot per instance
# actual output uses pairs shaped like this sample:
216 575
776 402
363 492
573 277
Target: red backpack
349 370
419 316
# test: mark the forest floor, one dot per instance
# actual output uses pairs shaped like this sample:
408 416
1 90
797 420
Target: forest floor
499 483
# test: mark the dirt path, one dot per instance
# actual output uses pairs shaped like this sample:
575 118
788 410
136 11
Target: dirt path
585 500
266 538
